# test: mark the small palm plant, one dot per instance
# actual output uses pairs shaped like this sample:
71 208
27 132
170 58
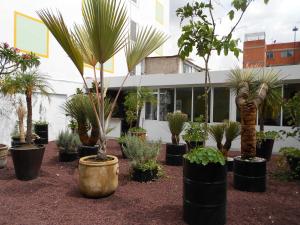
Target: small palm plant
251 88
26 83
176 123
230 129
101 35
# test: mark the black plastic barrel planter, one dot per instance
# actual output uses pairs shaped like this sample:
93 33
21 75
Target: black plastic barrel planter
144 176
204 193
27 161
42 131
264 149
229 163
67 157
174 154
193 144
249 175
87 150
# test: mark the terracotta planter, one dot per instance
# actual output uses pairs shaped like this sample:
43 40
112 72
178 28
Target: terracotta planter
3 155
98 179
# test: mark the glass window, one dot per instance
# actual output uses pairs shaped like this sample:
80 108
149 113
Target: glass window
166 103
270 55
187 68
199 107
133 30
289 90
221 104
184 100
287 53
151 109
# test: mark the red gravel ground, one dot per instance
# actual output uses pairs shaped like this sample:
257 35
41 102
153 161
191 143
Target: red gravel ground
53 198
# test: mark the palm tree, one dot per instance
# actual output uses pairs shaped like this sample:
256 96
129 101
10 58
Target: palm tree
26 83
102 34
251 88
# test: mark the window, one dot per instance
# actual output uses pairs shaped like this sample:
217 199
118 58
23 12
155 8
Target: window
187 68
166 103
133 30
184 100
199 107
151 109
287 53
31 35
270 55
289 91
221 104
159 12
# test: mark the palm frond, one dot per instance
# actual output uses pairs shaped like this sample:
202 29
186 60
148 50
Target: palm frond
232 130
148 40
217 133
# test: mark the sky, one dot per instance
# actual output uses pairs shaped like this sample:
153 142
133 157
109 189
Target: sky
276 19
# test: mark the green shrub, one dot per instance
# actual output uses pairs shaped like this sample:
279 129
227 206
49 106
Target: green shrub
142 155
292 156
194 131
67 142
290 151
137 129
267 135
205 156
176 122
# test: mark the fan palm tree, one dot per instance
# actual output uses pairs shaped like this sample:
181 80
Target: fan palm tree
26 83
102 34
251 88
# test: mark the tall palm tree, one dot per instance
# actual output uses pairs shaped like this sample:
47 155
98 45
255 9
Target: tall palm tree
26 83
251 87
101 35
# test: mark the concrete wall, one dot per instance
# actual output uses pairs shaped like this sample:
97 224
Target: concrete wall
166 65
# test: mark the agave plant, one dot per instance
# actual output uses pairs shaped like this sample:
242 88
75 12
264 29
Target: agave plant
251 88
176 123
101 35
230 129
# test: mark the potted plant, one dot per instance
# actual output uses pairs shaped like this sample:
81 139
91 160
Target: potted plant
204 187
231 130
292 156
143 158
102 35
194 134
67 144
41 130
175 150
27 158
121 141
265 142
134 102
251 88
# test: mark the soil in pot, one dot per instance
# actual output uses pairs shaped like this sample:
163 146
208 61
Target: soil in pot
204 193
193 144
27 160
174 154
3 155
87 150
144 176
98 178
249 175
264 149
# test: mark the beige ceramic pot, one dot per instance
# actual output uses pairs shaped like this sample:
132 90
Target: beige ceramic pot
98 179
3 155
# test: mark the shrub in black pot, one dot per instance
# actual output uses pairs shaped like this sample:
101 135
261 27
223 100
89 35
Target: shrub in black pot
194 134
292 156
175 150
143 158
41 130
264 144
230 130
67 144
121 141
204 187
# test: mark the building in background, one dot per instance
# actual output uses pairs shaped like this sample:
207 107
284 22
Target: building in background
258 53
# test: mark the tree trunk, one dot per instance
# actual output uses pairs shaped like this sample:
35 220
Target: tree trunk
29 118
206 100
248 132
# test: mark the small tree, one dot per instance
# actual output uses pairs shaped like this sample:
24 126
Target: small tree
200 32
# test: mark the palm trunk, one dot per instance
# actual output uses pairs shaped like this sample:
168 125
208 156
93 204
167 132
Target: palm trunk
29 118
248 132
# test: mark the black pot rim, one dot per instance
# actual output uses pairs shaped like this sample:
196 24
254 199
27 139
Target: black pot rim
21 148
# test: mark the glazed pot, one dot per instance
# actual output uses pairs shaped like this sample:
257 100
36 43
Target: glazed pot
249 175
204 193
27 160
98 178
42 131
144 176
174 154
3 155
87 150
264 149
